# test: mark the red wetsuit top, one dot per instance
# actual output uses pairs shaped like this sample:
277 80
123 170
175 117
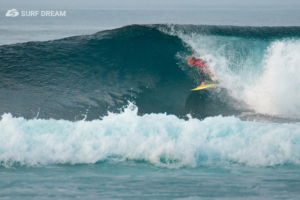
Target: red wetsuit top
200 63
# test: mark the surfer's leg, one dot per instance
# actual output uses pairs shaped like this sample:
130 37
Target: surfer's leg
208 78
200 74
202 77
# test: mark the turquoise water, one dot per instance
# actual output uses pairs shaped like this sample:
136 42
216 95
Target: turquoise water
155 156
142 181
158 139
107 114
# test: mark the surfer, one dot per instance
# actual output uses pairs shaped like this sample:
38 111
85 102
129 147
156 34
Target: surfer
202 69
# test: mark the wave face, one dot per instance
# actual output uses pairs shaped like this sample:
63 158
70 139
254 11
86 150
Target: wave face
65 78
70 78
159 139
54 92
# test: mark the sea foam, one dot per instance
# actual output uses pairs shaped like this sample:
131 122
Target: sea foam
160 139
261 73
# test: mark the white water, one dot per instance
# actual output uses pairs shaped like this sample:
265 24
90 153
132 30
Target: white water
277 92
262 74
160 139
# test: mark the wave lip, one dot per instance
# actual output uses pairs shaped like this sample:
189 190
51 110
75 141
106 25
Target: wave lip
277 92
160 139
258 66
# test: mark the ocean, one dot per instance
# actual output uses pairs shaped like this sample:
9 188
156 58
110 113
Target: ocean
96 105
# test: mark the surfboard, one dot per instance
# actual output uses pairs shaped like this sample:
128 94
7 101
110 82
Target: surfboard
203 87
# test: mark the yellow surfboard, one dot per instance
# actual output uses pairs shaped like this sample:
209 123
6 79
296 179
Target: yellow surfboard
204 87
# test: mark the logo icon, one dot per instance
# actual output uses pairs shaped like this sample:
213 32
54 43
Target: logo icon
12 13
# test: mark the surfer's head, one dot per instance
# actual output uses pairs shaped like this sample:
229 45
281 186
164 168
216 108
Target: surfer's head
192 60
